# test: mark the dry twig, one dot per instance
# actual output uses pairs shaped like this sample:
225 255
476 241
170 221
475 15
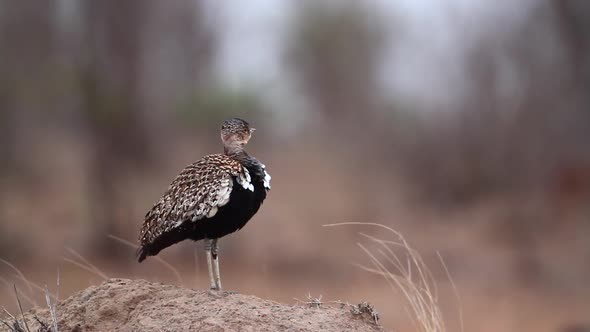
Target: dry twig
361 309
311 301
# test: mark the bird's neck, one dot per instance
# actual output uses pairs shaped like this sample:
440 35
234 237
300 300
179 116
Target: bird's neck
235 151
241 156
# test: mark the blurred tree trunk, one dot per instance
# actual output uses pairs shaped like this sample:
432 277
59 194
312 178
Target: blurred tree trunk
573 17
335 51
25 42
172 77
111 101
128 86
570 190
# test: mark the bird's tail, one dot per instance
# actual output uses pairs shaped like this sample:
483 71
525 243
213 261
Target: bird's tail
141 254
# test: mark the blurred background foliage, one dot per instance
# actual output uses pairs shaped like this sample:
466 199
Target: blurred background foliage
465 125
217 104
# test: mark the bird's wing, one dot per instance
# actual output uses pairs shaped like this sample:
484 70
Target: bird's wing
196 193
267 178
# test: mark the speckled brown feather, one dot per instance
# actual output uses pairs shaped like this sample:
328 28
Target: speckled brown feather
192 196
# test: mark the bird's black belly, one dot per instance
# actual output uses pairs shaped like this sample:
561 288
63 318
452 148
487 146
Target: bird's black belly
242 205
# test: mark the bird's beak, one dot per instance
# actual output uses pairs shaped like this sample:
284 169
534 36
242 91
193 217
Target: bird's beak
252 130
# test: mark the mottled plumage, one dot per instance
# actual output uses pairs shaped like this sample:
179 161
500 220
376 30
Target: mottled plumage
210 198
196 193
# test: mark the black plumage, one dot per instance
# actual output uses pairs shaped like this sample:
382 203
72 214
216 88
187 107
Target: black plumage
210 198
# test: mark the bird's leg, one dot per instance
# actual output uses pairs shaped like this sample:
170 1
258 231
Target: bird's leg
214 253
208 247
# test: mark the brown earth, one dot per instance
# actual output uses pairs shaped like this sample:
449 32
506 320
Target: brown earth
139 305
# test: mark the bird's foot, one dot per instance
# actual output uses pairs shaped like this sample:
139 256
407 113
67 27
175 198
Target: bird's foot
218 293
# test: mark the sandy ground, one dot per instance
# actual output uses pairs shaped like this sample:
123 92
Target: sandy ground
139 305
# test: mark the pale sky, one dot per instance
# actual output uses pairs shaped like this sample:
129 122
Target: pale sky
429 52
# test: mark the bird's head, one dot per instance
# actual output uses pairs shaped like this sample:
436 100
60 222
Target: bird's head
235 134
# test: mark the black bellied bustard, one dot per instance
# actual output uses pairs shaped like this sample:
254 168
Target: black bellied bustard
210 198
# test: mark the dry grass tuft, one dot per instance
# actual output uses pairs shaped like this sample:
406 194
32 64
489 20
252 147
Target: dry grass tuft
19 273
157 258
405 271
20 324
84 264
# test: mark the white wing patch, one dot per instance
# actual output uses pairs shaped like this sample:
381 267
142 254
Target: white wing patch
267 178
245 180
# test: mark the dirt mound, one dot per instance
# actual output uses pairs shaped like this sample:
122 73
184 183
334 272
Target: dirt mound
139 305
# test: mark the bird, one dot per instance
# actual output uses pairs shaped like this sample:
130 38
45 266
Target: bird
210 198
